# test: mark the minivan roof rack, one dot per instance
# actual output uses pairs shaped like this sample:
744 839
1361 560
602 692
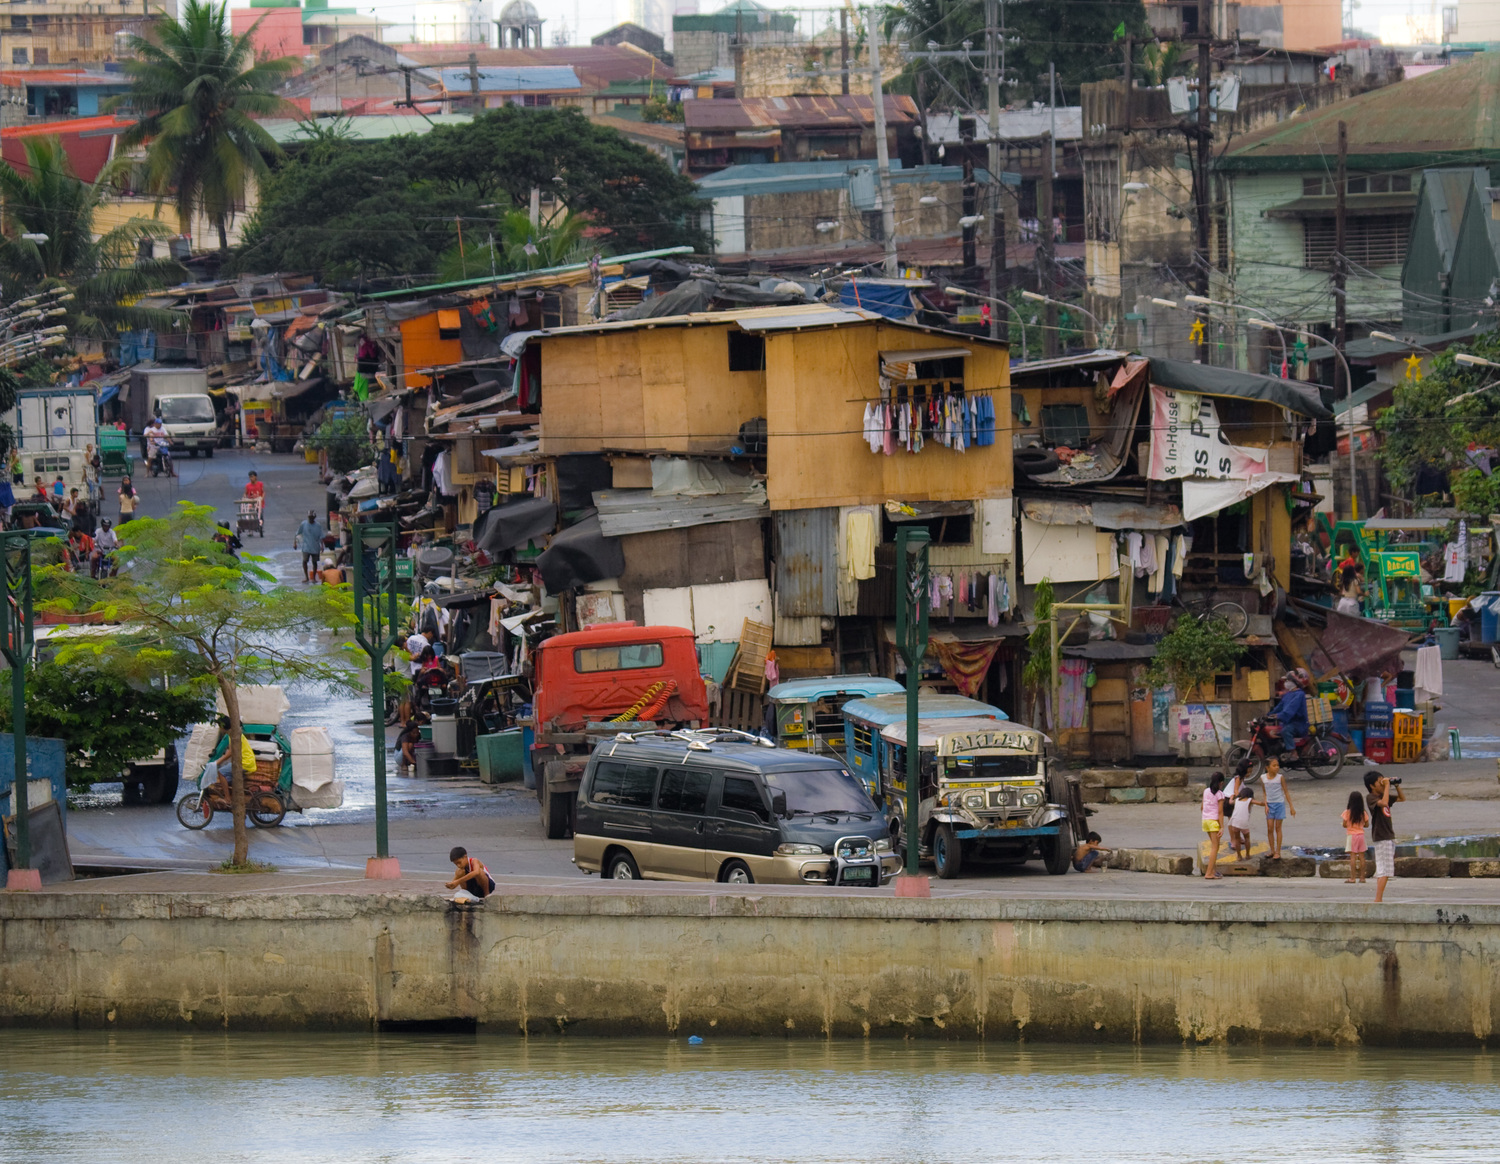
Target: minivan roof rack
696 739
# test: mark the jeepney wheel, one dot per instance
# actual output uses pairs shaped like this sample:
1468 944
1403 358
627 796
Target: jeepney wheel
622 867
736 873
947 852
193 812
265 810
1057 852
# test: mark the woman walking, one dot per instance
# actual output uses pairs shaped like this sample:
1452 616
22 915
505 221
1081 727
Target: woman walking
130 500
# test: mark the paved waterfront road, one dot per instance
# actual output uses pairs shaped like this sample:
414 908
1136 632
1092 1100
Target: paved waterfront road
502 826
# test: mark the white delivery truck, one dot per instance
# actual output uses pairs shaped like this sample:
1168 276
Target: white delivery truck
53 427
180 397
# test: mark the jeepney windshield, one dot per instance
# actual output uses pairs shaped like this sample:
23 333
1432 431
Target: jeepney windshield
989 767
821 790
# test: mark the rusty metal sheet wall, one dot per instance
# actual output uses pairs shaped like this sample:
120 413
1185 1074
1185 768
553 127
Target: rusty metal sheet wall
806 547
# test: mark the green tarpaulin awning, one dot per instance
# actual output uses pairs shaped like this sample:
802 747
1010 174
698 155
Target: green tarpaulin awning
1182 376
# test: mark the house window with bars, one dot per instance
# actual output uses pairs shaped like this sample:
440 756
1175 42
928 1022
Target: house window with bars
1376 241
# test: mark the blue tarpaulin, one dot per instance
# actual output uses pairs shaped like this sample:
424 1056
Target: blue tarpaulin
108 394
893 302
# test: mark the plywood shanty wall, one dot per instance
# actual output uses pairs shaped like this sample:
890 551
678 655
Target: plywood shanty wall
666 389
818 383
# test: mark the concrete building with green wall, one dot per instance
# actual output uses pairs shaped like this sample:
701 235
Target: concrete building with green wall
1278 197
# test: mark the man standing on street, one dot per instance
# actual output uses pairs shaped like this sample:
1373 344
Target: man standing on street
1382 828
310 542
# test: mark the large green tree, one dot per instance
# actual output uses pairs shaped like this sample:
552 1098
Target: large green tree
1084 39
45 200
187 607
358 210
197 89
1422 428
105 719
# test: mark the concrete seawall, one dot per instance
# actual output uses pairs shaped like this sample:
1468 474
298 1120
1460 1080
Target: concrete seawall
798 965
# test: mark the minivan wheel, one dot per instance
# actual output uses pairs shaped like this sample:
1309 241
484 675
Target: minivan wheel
622 867
736 873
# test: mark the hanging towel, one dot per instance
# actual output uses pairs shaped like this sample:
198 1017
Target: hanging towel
993 617
1159 559
1179 554
1429 672
861 544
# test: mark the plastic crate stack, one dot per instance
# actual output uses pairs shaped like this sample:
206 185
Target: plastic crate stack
1380 734
1407 727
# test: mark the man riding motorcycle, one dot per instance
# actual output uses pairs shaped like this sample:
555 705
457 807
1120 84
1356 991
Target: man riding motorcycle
159 447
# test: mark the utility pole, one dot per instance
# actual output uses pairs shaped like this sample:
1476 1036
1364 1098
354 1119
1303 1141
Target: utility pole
882 147
1205 140
994 65
1044 252
1340 266
474 82
970 205
844 51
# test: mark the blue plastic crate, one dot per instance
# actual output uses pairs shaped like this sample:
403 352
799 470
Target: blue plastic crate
1377 712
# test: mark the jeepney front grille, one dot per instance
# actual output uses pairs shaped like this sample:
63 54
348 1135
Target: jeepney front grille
1002 797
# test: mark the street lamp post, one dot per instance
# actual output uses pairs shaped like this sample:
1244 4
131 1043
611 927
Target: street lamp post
1268 325
1038 298
1205 301
376 632
1010 307
911 641
16 646
1472 361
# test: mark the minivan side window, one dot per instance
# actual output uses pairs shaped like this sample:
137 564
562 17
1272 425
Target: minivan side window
630 785
683 790
743 795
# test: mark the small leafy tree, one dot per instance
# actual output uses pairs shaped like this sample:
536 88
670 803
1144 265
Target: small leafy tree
104 718
347 440
1036 675
188 608
1191 654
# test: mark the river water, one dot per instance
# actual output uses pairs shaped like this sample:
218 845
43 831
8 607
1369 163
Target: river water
127 1097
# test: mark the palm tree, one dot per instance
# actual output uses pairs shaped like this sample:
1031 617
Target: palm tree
518 246
197 89
46 201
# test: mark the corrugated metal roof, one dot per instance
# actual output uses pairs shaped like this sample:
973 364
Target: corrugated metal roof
366 126
523 79
519 277
806 567
735 113
1355 205
799 177
1449 112
633 511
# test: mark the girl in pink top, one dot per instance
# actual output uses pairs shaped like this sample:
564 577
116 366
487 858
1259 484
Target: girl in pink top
1355 818
1213 823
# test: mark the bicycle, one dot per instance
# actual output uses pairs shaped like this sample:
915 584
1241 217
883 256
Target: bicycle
1235 618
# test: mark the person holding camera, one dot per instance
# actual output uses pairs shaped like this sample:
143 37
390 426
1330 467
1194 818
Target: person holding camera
1382 791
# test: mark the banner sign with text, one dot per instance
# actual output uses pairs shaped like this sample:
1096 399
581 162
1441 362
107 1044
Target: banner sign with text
1187 443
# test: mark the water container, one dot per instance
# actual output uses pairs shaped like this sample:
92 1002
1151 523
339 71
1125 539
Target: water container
445 734
1489 617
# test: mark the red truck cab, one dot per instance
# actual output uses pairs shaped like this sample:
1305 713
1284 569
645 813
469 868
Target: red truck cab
615 671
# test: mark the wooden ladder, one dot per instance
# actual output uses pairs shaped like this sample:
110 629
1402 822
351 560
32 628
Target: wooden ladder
748 670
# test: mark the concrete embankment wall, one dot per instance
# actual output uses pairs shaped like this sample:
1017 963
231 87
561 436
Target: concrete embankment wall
790 965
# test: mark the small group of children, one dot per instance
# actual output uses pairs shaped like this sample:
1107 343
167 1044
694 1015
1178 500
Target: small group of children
1355 818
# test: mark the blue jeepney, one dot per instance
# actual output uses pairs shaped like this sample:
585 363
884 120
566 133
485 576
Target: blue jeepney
864 719
809 713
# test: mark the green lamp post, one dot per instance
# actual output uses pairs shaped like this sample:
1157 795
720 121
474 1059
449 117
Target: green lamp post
376 631
911 641
16 646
